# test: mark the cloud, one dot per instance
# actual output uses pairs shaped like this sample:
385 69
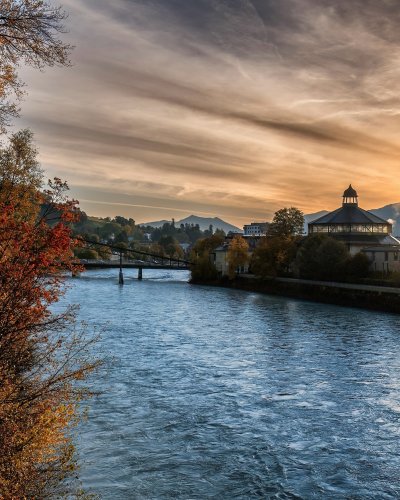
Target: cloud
238 105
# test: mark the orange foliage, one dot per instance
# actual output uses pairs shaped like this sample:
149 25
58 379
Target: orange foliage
238 254
41 354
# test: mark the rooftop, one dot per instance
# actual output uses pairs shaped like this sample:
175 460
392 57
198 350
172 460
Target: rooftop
349 214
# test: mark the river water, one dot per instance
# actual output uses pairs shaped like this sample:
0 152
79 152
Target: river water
217 393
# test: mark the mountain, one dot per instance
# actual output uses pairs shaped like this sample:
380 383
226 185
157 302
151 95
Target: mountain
203 222
311 217
391 213
388 212
157 223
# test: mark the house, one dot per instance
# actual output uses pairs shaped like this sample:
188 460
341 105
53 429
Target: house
219 257
255 229
361 231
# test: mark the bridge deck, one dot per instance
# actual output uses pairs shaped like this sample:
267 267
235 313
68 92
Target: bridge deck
130 265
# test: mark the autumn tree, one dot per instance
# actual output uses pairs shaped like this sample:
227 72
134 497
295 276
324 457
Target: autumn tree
41 354
287 222
273 256
170 247
29 34
203 269
238 255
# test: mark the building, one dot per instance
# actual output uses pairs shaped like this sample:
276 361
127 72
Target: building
219 257
255 229
361 231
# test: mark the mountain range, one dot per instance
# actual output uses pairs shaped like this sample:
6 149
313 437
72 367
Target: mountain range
388 212
203 222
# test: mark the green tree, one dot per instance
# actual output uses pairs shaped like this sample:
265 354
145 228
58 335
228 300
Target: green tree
332 257
357 266
86 253
170 247
322 257
109 230
287 222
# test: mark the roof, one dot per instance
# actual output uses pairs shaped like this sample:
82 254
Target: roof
367 239
222 248
388 243
350 192
349 214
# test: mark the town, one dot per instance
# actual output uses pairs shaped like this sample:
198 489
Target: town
348 244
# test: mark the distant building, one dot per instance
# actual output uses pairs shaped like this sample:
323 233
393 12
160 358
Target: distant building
219 257
361 231
233 234
185 246
255 229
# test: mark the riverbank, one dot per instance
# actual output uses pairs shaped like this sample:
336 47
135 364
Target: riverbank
378 298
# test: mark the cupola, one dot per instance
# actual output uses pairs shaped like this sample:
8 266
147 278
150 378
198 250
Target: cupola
350 196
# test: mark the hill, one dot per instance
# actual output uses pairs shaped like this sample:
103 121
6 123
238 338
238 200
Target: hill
203 222
392 213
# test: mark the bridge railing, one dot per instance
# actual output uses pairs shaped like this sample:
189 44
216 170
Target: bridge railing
157 258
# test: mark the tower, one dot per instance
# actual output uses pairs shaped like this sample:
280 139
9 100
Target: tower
350 196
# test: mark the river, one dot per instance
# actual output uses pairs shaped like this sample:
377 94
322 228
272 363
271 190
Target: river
217 393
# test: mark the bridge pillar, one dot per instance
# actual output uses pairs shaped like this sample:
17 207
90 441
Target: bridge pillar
121 274
140 273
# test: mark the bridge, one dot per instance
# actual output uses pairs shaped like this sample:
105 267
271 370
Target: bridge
128 258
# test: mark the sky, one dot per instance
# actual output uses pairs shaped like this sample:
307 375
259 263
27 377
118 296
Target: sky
230 108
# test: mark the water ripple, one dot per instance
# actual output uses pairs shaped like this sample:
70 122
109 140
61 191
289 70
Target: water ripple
215 393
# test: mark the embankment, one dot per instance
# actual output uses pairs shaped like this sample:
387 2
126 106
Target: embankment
379 298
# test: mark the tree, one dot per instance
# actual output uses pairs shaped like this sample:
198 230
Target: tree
41 354
202 268
29 32
287 222
332 256
20 174
357 266
273 256
238 254
170 247
207 245
86 253
322 257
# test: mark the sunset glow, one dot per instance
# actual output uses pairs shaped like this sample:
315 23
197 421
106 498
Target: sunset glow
227 108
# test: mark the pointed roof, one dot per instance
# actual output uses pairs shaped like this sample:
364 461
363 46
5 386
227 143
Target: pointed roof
349 214
350 192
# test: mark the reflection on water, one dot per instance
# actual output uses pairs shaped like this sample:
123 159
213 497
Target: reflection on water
216 393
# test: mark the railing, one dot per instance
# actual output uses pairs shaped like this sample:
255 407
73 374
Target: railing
116 250
157 262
